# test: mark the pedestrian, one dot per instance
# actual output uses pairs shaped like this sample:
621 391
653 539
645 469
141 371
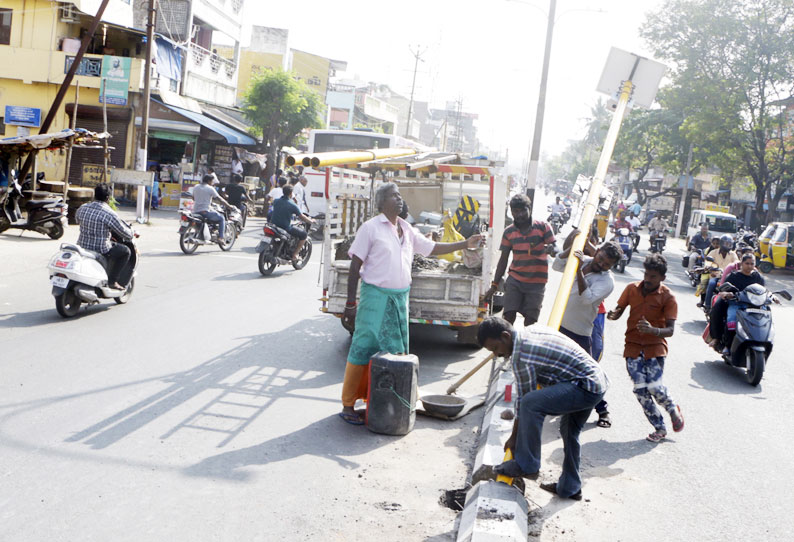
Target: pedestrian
652 318
593 284
382 256
530 242
299 194
571 384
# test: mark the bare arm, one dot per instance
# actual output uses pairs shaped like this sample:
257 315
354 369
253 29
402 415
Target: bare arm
446 248
349 316
501 267
643 326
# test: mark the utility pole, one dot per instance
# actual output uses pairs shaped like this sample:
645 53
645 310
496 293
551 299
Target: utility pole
417 58
143 158
534 155
682 205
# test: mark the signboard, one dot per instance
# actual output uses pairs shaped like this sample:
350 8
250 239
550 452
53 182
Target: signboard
719 208
17 115
116 75
132 177
92 174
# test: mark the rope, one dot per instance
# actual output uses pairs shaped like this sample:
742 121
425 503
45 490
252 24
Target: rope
405 403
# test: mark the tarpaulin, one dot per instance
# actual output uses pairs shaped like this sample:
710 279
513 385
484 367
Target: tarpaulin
169 60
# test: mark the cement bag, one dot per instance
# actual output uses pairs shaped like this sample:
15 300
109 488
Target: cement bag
450 235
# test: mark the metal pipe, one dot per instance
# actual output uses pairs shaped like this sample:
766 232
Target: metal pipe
591 204
353 157
293 159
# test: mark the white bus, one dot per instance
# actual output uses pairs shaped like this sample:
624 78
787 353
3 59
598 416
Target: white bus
345 140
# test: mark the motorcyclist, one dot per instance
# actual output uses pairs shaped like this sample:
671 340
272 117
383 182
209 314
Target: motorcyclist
557 208
657 225
741 279
283 211
722 256
621 222
97 221
203 195
236 192
701 241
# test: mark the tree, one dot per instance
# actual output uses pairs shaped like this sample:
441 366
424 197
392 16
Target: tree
733 64
280 107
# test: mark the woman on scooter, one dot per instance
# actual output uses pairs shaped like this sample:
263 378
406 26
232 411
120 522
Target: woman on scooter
741 279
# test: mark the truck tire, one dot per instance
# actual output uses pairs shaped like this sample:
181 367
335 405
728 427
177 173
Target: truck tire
467 335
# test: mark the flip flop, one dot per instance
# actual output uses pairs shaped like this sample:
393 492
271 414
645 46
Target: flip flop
604 420
352 419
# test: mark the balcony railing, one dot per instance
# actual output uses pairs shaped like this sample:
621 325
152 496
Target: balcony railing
205 61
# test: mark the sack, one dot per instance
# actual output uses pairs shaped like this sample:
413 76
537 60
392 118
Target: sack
472 257
450 235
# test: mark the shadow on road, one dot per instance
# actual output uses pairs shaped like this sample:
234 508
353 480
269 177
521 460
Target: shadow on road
48 316
693 327
720 377
598 457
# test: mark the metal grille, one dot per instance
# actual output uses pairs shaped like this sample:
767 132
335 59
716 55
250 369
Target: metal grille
172 19
118 131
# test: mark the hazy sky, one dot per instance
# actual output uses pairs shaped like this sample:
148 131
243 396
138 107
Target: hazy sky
488 53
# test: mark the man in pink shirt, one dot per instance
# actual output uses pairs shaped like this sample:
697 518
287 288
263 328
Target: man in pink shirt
382 255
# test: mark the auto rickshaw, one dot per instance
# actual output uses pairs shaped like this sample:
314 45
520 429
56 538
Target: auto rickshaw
775 248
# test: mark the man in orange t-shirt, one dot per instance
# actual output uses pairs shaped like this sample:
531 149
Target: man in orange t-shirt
652 318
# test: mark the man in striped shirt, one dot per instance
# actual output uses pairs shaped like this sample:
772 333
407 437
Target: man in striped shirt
572 383
530 241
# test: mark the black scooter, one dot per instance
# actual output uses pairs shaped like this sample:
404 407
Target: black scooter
45 216
749 330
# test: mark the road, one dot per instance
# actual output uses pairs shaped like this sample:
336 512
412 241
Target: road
206 409
726 476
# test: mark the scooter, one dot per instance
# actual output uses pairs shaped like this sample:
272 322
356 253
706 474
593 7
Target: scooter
623 238
80 276
749 330
45 216
194 230
276 248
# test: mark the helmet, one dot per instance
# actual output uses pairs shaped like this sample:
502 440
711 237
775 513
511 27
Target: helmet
726 242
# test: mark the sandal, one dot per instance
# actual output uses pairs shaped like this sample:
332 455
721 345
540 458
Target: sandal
352 419
677 418
604 420
657 436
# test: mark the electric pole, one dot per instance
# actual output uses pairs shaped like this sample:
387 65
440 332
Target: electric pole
417 58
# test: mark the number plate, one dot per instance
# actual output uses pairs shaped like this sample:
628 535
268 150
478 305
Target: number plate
60 282
184 223
755 311
267 240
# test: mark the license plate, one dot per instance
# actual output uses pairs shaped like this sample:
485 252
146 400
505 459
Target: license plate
266 240
184 223
60 282
755 311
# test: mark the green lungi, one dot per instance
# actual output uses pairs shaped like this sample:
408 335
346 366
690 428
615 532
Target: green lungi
381 323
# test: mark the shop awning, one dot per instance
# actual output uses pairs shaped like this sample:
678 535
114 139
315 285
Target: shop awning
231 135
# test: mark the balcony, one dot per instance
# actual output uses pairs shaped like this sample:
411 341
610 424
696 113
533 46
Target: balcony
223 15
210 77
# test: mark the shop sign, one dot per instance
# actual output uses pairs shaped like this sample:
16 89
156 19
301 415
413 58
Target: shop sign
116 77
718 208
17 115
92 174
132 177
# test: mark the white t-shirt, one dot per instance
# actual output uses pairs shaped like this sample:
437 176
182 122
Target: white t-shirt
558 208
634 221
299 193
276 193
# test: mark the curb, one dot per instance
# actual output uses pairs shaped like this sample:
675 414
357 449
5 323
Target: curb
493 511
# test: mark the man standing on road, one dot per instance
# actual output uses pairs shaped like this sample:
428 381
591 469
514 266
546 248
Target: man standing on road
593 285
530 242
97 220
652 318
382 256
571 385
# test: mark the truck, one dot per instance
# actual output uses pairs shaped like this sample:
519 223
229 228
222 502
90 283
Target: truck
449 295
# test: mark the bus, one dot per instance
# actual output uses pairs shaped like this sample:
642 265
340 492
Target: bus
345 140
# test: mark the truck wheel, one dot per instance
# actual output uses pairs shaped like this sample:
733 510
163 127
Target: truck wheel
468 335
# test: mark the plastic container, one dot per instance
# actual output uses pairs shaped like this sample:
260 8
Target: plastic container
391 404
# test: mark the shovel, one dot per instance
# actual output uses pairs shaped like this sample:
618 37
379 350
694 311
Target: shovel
453 388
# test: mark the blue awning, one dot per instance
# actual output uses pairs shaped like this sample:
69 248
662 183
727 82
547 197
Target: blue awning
231 135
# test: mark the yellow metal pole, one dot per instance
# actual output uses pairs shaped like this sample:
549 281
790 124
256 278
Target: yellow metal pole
337 158
590 207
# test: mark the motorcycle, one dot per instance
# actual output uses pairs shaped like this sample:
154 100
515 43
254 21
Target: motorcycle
658 241
623 238
705 274
45 216
316 232
80 276
693 274
749 331
236 217
276 248
556 222
194 230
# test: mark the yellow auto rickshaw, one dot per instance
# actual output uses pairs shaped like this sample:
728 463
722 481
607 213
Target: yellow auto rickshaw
775 247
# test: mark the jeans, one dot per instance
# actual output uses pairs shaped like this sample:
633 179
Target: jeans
710 291
574 405
719 312
587 345
217 218
647 377
118 257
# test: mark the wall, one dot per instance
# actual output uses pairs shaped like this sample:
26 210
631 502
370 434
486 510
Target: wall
250 63
311 69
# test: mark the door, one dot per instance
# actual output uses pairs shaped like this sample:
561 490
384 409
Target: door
778 246
90 118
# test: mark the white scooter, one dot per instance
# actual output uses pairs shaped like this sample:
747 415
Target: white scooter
80 276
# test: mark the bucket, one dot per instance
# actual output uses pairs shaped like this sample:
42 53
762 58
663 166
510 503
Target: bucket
392 394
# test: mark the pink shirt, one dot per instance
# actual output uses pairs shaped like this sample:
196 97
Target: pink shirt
387 260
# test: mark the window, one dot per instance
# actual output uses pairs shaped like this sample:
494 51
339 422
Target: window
2 126
5 26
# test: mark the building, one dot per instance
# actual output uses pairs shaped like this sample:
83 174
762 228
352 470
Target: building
192 124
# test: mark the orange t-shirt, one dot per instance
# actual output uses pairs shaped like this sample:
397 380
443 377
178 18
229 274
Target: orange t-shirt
657 307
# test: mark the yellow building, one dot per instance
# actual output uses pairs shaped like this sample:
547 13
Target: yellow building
38 41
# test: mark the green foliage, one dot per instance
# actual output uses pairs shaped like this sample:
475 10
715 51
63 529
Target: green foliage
730 63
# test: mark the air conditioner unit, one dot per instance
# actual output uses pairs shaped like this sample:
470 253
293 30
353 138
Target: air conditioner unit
69 13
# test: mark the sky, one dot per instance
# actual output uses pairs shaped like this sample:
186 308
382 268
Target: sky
487 53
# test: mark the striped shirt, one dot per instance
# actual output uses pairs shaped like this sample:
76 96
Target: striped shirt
96 221
530 263
543 356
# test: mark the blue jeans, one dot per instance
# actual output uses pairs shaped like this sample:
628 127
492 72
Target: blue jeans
646 373
588 344
571 402
710 291
216 218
